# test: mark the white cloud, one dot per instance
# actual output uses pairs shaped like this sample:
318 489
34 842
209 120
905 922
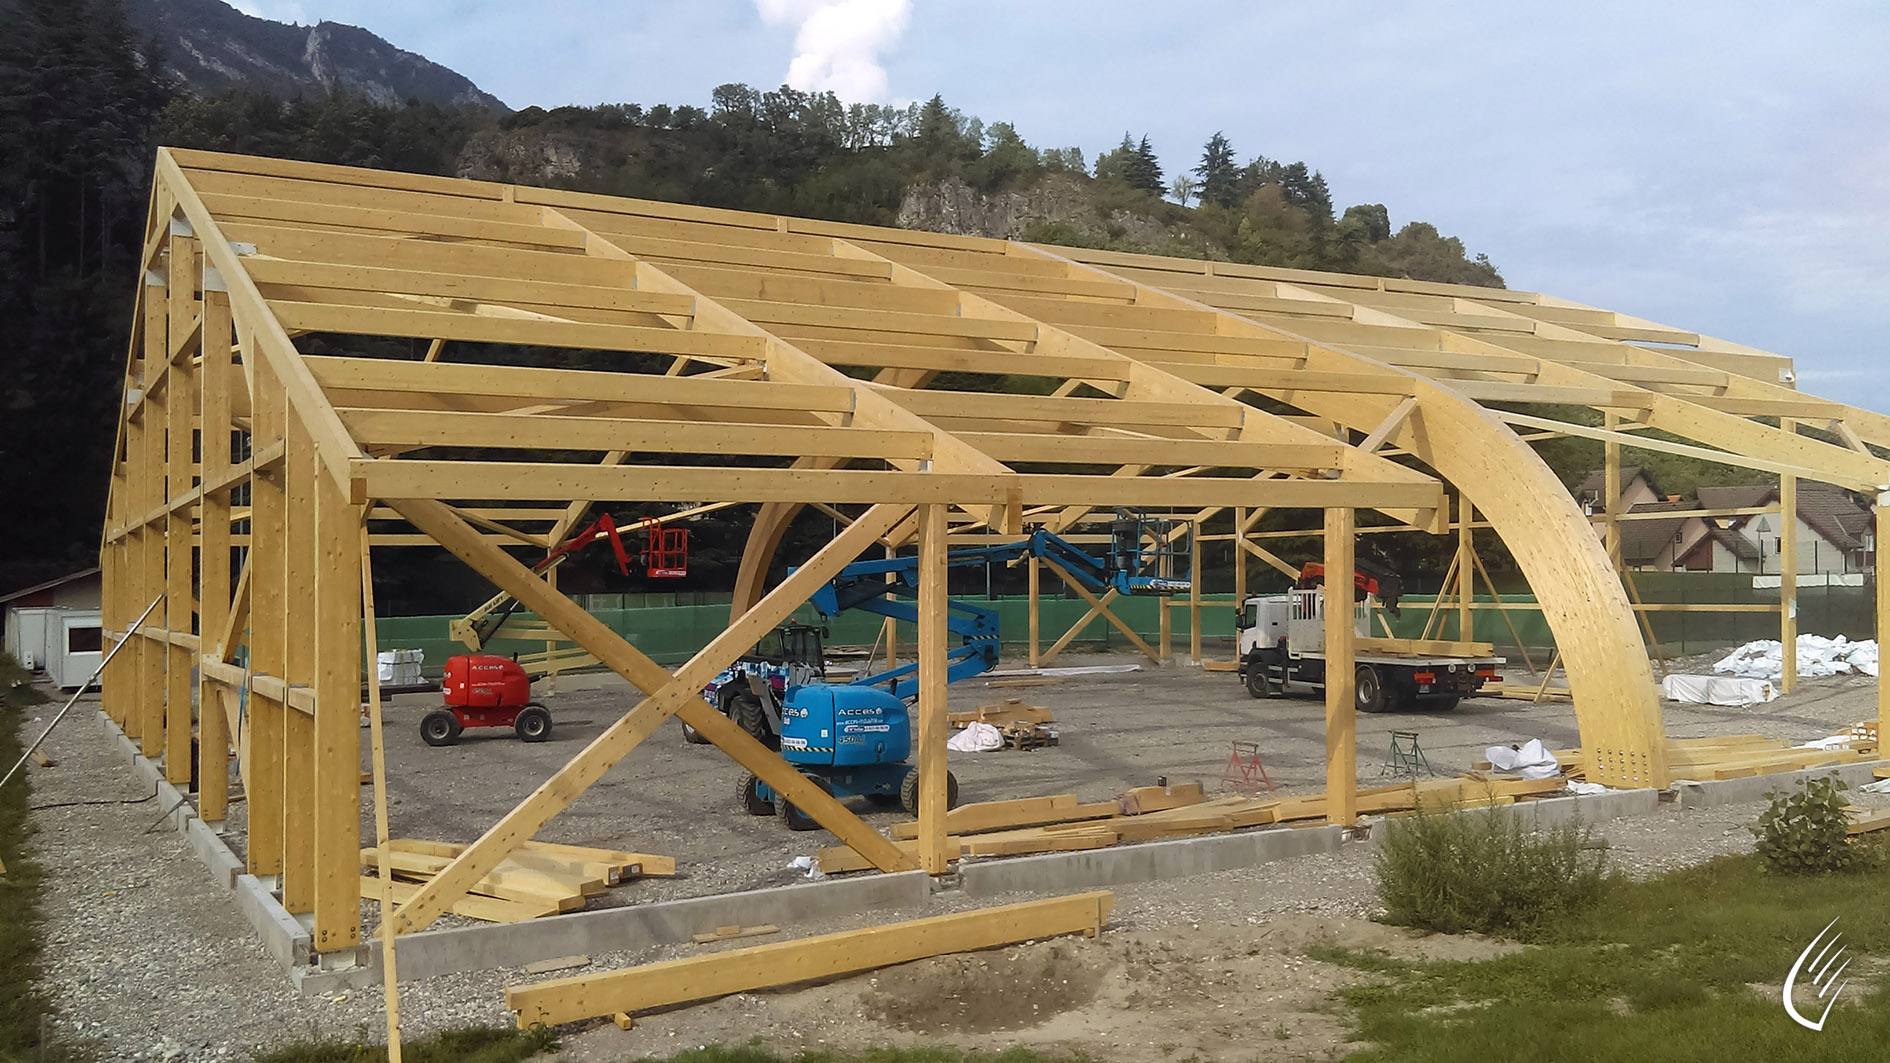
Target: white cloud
838 43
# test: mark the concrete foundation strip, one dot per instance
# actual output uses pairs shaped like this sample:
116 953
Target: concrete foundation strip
443 952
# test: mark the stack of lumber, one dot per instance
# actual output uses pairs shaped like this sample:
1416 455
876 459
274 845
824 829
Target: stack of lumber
1011 710
1740 756
1865 820
538 879
1023 726
1063 823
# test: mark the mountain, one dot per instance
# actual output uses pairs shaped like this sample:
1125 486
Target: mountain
212 46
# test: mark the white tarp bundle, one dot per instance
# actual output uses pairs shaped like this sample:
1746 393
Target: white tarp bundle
1717 690
400 667
1817 656
1531 761
976 738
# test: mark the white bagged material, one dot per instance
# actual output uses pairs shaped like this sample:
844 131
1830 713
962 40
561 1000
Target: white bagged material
400 667
1817 656
1585 788
977 737
1531 761
1717 690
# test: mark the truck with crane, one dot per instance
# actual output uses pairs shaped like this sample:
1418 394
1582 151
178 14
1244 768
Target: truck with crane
1283 641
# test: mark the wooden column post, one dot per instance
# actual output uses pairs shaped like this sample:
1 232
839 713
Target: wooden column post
179 461
213 730
301 468
1611 490
1240 570
932 695
891 626
1341 700
1883 609
1165 625
1036 628
1788 572
337 725
263 769
152 651
1194 594
1466 588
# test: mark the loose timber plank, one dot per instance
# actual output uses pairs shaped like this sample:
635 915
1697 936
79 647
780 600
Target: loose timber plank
778 963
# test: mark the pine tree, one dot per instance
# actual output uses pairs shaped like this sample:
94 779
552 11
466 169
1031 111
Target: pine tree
78 96
1220 178
1144 172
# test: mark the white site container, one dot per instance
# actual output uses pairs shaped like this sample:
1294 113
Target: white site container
26 635
74 647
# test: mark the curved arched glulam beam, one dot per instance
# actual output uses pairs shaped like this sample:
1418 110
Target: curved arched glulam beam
1616 703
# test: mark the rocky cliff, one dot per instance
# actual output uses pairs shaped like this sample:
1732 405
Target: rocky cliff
212 46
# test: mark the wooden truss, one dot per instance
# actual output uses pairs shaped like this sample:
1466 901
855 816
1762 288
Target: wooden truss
323 350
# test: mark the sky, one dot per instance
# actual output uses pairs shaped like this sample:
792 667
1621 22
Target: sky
1722 167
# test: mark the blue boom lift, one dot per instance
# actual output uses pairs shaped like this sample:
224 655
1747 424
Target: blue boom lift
853 739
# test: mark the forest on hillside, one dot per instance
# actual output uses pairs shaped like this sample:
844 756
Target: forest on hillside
84 105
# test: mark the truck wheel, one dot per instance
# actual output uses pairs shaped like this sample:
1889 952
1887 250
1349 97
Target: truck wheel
439 728
1371 689
909 792
1257 685
751 797
745 710
792 815
533 724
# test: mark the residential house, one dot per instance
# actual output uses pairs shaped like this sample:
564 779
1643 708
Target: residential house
1836 532
1654 542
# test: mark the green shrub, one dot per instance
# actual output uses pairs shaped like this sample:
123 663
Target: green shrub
1803 832
1483 871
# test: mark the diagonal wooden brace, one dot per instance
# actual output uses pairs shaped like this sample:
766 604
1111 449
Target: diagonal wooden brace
1101 605
669 695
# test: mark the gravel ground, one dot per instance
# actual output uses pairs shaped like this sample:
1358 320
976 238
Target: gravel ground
148 961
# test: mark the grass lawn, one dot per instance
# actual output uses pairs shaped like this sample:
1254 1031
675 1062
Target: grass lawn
1664 971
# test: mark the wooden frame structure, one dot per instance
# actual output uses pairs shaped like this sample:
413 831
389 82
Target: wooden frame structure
322 351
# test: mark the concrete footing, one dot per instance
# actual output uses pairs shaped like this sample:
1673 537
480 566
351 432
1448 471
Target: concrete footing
1756 787
1118 865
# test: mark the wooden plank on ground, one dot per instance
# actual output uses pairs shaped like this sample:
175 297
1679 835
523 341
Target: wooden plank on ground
1144 799
1865 820
672 982
1005 815
731 933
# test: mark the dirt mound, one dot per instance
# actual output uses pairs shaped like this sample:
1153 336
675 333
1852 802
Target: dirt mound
987 992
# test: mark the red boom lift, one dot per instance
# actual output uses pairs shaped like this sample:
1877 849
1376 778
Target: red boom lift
487 690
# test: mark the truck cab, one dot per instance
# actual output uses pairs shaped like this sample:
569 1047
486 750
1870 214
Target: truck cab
1283 641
